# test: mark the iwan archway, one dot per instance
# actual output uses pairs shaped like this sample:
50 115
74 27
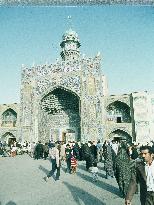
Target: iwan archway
9 118
120 135
60 116
8 137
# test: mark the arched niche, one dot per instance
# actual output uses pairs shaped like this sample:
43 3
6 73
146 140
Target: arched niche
120 135
9 118
60 115
60 99
118 112
8 137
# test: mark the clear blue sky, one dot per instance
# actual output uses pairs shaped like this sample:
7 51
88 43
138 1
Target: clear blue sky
124 35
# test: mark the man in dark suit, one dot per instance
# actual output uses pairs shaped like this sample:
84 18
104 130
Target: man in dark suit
143 174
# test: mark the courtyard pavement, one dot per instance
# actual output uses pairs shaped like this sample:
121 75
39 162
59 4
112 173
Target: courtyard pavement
22 183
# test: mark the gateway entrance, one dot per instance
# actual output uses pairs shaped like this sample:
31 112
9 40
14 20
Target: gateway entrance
61 111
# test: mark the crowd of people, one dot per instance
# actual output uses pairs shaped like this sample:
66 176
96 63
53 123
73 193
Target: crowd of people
130 164
14 148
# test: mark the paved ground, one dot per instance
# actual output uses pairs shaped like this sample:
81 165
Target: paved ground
21 183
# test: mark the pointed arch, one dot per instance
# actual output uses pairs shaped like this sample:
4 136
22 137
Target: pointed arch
60 115
119 112
119 135
9 118
51 89
58 96
9 137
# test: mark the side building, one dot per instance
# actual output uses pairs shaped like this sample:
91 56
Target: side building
130 117
9 124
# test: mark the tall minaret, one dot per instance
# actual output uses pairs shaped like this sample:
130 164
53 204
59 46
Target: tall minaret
70 46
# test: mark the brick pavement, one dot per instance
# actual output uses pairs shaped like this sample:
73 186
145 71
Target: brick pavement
22 184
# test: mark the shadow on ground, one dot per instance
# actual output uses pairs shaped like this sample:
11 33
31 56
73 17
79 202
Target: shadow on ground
46 171
84 168
11 203
81 195
101 175
100 184
63 168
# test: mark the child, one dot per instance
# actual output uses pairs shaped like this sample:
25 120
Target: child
73 164
94 171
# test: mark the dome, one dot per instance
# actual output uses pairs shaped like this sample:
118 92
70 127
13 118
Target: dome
70 35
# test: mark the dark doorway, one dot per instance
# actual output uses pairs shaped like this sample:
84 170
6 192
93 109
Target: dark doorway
11 140
118 119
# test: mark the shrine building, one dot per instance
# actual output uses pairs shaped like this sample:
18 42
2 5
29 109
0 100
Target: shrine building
69 101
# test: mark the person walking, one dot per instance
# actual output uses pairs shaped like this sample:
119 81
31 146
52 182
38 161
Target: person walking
93 150
94 171
144 174
75 149
99 151
39 150
122 169
108 160
45 150
62 152
73 164
68 154
32 149
55 160
88 157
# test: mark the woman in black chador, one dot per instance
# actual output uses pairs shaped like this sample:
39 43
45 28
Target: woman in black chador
88 157
38 153
122 169
108 160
